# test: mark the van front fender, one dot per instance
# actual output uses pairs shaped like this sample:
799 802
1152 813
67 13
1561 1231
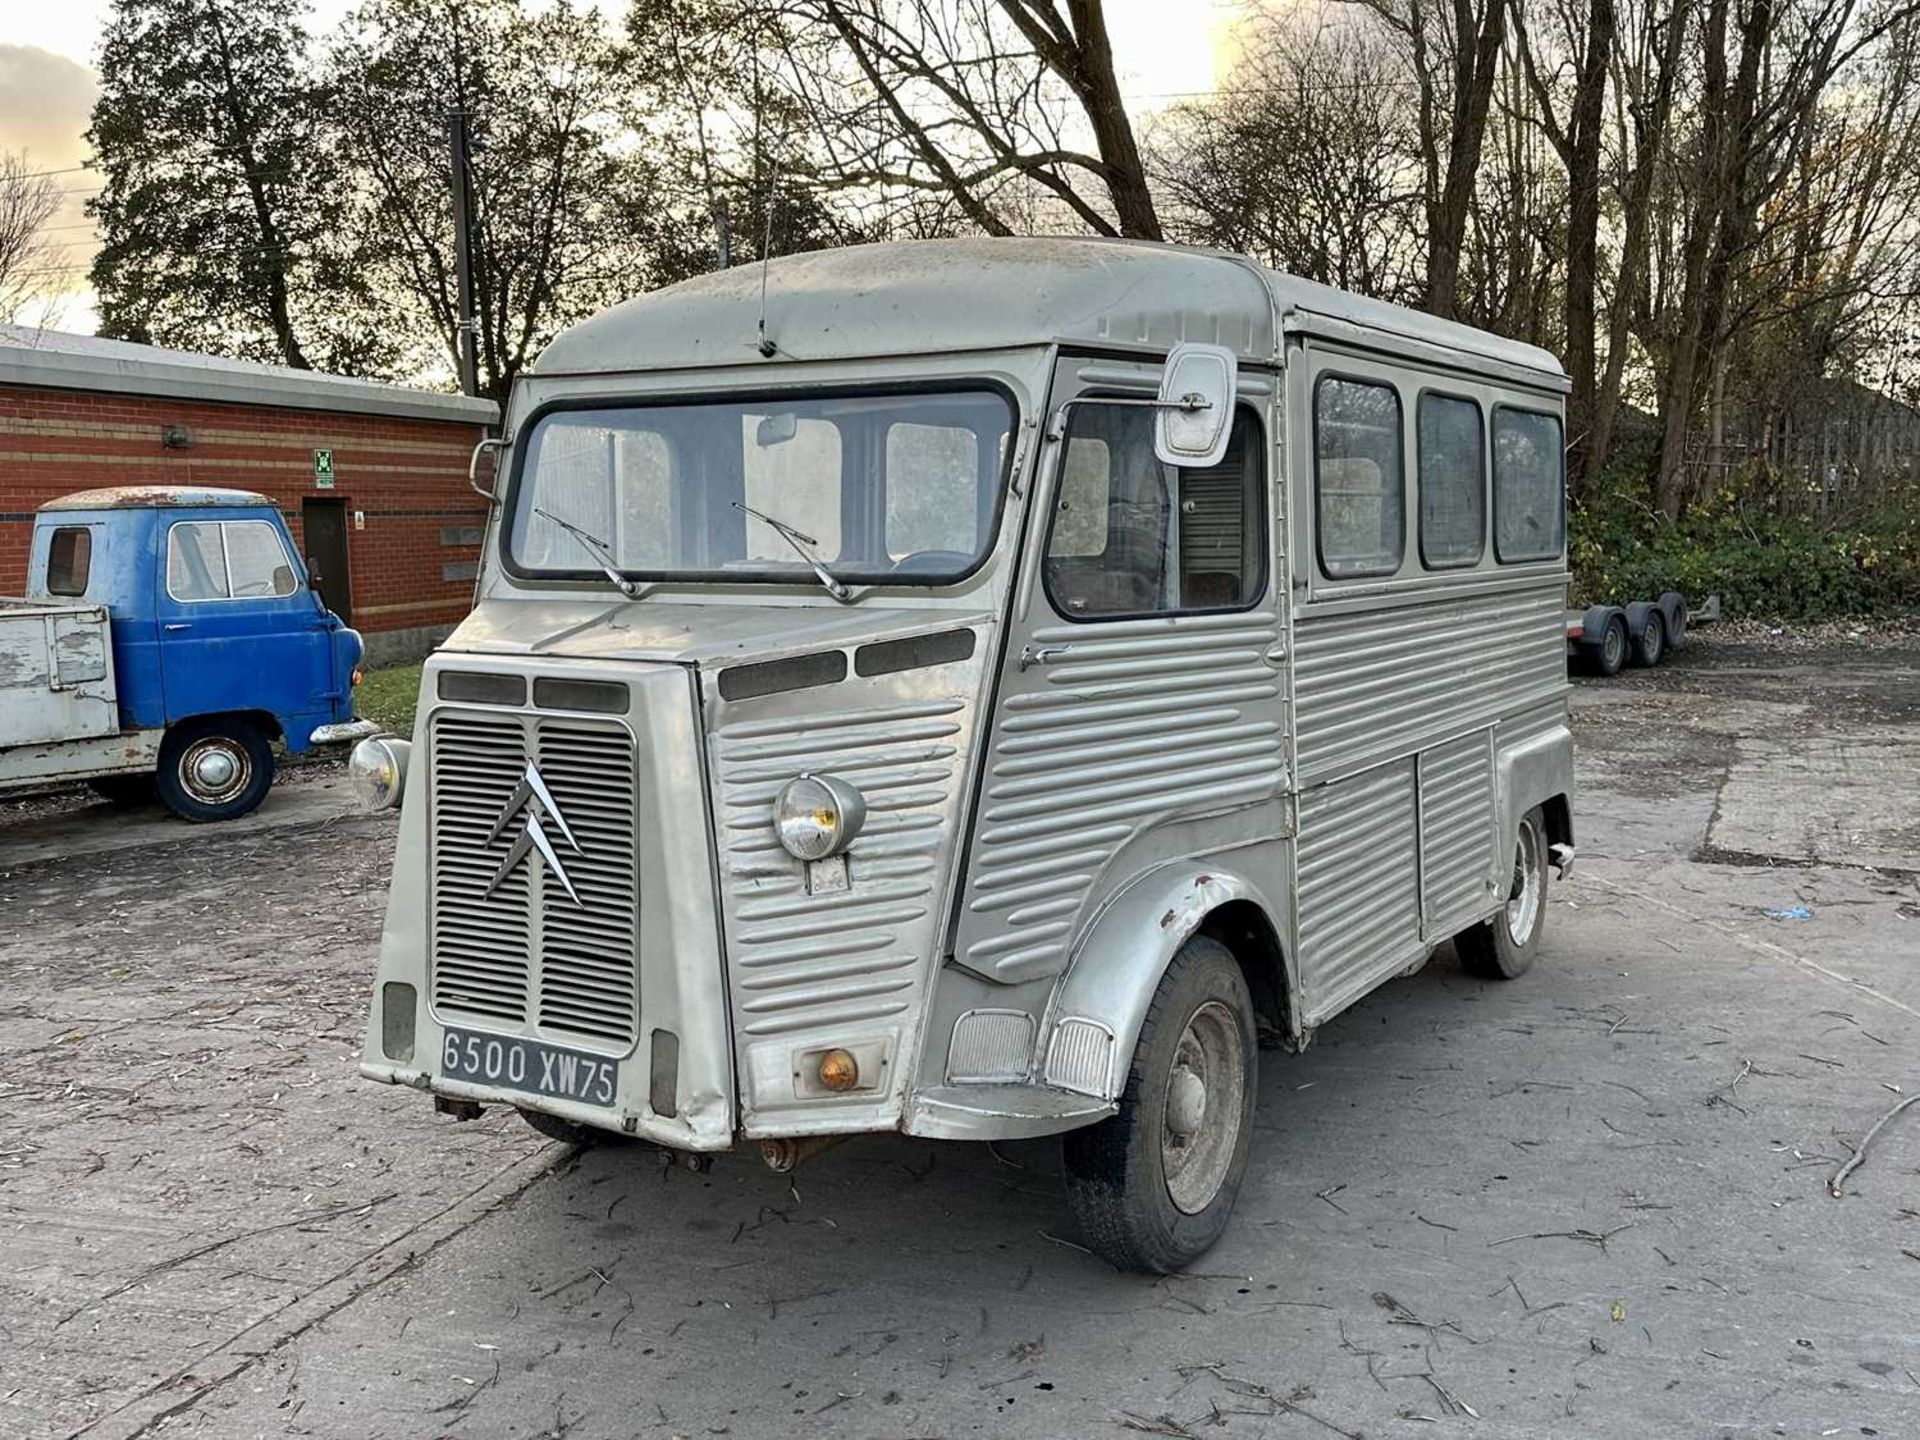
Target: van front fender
1097 1013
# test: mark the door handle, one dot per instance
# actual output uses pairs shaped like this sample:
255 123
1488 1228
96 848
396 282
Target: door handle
1030 656
173 625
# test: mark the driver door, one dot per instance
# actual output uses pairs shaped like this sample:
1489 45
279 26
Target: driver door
1141 716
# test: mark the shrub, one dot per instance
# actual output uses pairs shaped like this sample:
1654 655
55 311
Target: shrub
1752 542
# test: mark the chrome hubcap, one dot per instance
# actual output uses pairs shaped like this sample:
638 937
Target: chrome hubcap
1205 1097
215 770
1523 903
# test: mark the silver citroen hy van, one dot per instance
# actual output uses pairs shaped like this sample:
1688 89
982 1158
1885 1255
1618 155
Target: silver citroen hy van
980 689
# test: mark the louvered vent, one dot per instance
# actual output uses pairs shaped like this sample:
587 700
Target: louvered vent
529 957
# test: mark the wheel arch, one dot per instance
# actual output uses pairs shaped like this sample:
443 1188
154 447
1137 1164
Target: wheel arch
265 721
1119 964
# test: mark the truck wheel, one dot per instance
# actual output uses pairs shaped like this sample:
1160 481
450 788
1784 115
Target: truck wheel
1651 643
1153 1185
1503 948
1611 653
213 769
123 792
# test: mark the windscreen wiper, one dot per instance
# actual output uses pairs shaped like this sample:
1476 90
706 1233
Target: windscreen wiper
800 540
597 548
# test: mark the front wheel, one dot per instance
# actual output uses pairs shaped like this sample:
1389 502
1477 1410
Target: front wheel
216 769
1153 1185
1503 948
1651 643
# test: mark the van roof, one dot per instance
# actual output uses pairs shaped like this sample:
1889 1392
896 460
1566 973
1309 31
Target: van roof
151 497
905 297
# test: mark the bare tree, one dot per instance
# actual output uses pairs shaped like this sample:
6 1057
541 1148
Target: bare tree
1304 160
28 261
1581 51
1453 58
980 105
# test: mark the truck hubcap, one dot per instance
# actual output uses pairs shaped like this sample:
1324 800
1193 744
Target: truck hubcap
1523 904
214 771
1206 1095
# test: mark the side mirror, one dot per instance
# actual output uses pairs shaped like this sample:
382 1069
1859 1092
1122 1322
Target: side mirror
1194 414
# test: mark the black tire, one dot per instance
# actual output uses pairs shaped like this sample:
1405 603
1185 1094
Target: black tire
1651 643
123 792
1502 948
1673 605
1129 1204
567 1132
190 780
1610 653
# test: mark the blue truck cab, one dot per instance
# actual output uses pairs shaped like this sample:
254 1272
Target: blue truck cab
220 646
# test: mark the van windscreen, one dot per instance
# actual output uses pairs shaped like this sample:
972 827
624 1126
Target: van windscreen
899 487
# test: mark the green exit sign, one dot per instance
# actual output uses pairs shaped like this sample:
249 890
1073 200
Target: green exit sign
323 469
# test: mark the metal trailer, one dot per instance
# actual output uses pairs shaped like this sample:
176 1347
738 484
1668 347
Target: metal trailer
979 689
1643 633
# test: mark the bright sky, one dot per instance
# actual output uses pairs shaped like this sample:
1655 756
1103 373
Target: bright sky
1165 49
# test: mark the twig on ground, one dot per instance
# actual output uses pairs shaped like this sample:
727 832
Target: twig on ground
1589 1237
1328 1194
1859 1156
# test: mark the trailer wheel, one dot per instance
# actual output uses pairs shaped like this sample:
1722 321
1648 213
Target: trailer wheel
1153 1185
216 769
1503 948
1651 643
1611 653
1673 605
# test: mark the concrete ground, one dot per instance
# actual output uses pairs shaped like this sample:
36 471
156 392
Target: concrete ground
1589 1203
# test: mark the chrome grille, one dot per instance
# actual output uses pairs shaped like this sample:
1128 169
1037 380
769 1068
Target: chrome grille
527 957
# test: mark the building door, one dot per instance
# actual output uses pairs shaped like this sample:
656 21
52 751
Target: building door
323 523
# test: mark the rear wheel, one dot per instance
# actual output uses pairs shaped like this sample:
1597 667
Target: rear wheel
216 769
1153 1185
1503 948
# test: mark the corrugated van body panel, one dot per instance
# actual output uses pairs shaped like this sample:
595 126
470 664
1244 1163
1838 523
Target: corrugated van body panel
1135 724
1456 834
1393 680
1357 877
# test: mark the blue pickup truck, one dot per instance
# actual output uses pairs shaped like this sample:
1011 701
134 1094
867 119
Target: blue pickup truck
167 638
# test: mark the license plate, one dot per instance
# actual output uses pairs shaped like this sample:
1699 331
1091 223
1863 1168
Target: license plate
529 1065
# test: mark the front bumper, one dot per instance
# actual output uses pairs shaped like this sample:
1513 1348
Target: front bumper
342 732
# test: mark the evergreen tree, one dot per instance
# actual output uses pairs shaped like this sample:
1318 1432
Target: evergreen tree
221 216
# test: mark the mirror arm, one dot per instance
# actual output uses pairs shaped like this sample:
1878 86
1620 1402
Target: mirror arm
492 442
1189 403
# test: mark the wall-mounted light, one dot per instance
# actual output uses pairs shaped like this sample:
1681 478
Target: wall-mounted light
176 437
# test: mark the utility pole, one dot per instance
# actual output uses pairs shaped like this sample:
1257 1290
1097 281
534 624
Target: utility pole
463 251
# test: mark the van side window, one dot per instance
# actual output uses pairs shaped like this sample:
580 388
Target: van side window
1358 477
235 560
1130 536
1453 483
1529 511
69 558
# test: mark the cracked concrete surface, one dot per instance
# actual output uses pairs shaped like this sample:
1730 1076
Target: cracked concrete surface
1591 1202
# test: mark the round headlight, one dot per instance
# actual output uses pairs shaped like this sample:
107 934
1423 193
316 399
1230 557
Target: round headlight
817 816
377 771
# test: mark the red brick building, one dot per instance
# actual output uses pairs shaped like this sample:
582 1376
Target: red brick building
371 478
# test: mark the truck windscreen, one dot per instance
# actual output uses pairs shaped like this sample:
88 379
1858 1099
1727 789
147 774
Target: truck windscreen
896 487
